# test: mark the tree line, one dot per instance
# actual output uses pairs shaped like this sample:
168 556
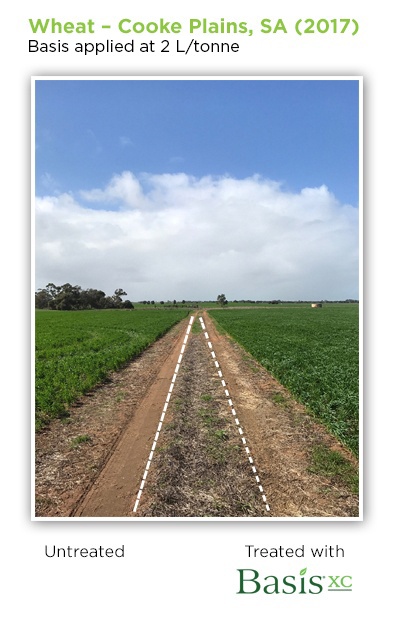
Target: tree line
68 297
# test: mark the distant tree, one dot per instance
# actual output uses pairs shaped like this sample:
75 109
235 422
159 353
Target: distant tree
117 297
68 297
42 299
92 299
222 300
128 305
53 290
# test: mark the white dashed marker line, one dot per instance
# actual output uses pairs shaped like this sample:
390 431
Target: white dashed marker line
240 430
154 443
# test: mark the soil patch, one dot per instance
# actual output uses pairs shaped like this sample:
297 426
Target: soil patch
200 469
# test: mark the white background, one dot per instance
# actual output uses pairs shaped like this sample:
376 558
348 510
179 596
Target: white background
185 573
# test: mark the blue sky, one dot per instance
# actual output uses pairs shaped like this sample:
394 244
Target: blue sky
257 177
301 133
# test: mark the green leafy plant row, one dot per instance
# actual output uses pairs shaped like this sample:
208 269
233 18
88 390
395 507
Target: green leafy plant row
77 350
313 352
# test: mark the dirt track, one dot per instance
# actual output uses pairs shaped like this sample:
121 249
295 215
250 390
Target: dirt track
192 474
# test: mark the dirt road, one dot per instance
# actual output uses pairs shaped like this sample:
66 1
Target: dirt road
231 442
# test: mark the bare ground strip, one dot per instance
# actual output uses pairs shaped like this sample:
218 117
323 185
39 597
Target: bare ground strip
200 467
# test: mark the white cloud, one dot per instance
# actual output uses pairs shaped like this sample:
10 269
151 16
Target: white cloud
176 236
123 190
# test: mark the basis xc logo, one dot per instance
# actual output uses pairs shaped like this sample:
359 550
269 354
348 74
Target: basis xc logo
252 582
